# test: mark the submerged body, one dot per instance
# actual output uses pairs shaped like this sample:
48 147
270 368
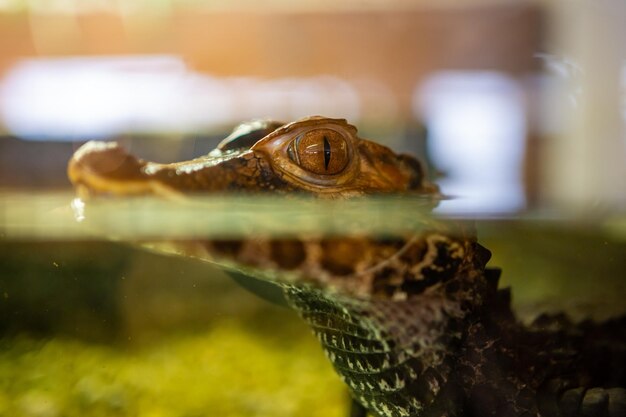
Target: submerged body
415 324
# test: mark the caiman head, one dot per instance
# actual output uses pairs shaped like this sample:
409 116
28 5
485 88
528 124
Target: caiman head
318 156
315 156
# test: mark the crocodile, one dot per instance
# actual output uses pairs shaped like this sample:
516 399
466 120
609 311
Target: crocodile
415 325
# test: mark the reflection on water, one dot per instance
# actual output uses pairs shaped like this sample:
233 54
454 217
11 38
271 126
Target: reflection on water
91 327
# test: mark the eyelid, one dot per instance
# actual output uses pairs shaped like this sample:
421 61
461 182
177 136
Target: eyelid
292 152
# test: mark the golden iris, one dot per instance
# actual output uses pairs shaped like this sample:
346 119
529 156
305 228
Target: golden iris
320 151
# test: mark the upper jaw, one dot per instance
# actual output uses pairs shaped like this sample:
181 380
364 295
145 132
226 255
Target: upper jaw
106 168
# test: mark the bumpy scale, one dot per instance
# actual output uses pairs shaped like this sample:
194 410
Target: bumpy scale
414 325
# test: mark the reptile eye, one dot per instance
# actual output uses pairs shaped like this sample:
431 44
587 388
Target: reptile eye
320 151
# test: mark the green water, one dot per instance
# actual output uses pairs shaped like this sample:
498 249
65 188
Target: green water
90 327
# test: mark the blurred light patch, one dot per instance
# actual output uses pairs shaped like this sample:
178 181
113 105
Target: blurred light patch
623 95
477 129
79 98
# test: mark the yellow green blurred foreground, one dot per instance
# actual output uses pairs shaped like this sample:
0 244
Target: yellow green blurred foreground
224 371
99 329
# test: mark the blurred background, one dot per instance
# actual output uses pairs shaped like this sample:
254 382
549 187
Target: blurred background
517 106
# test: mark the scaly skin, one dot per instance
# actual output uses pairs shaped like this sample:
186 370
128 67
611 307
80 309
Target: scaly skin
414 325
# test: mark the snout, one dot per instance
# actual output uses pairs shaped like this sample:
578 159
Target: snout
107 168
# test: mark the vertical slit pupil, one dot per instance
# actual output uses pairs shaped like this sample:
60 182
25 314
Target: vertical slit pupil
326 153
